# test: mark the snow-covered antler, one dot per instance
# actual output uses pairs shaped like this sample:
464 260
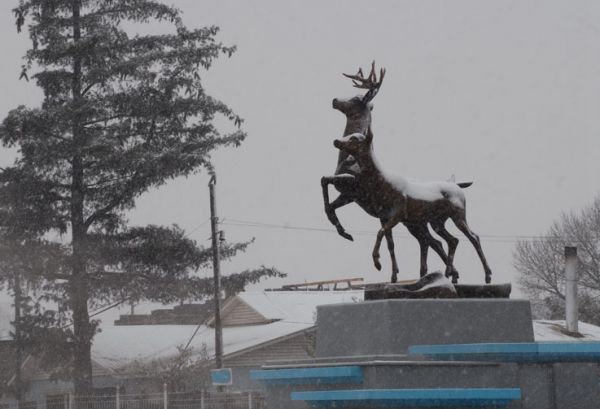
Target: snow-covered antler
369 83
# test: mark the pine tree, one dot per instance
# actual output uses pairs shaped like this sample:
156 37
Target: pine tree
121 114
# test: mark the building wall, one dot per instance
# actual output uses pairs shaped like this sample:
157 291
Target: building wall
298 346
240 313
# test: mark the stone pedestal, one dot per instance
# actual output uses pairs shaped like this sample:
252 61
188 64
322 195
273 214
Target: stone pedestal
389 327
459 347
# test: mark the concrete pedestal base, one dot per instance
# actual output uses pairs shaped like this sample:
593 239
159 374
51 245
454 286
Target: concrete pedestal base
389 327
362 359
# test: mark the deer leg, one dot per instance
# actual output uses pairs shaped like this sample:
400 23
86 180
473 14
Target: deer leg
386 227
426 240
436 245
461 224
438 227
390 243
420 232
376 256
339 202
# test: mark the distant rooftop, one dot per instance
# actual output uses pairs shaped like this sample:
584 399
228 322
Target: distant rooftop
185 314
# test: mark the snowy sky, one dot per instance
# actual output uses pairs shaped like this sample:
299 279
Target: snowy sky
504 93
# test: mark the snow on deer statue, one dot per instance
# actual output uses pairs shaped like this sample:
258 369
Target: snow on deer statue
358 120
399 200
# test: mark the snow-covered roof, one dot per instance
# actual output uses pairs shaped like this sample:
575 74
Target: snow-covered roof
295 305
117 346
550 330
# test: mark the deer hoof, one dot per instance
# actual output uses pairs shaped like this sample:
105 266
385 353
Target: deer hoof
454 274
377 264
346 235
488 278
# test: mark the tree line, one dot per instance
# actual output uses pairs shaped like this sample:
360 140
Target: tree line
540 264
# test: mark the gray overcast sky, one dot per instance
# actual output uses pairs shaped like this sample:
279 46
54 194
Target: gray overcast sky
504 93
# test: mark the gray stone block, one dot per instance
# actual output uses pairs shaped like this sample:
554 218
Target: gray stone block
535 381
576 385
390 326
433 375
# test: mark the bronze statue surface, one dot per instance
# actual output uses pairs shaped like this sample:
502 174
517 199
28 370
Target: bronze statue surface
393 200
396 199
358 120
435 285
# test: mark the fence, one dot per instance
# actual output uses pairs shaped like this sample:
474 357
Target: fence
188 400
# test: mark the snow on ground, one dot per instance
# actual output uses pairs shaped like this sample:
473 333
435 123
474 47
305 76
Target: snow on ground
547 330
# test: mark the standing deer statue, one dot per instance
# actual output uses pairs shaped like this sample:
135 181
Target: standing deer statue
358 120
396 200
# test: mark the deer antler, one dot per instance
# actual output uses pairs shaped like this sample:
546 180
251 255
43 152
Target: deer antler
369 83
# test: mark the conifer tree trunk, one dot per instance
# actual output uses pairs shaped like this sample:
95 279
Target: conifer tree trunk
123 113
78 285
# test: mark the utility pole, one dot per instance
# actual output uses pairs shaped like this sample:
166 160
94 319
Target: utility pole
18 340
214 221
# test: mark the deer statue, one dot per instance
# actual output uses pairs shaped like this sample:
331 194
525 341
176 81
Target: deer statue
396 200
358 120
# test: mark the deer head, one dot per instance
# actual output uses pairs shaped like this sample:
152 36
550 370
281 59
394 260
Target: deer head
358 108
355 144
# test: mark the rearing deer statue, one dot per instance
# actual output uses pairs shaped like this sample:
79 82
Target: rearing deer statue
398 200
358 120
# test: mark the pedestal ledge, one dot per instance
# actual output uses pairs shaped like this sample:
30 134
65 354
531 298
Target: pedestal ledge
435 285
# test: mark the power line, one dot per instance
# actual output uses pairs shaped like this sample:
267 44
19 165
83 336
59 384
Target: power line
195 229
256 224
497 238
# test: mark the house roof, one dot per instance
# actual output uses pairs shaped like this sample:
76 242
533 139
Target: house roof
296 305
117 346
